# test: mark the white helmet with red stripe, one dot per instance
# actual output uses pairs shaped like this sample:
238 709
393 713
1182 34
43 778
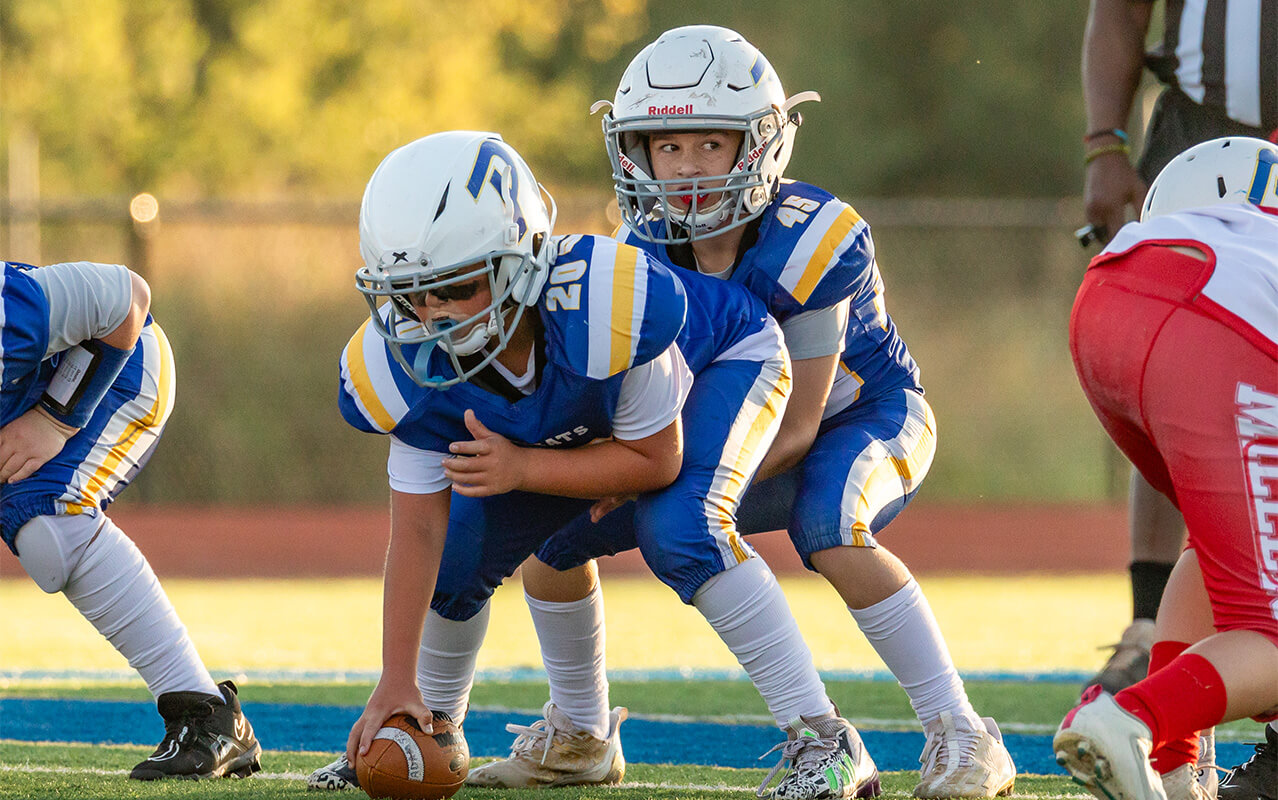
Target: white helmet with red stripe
696 78
1235 170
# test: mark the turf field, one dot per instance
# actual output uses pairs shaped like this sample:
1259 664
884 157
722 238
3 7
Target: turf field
73 720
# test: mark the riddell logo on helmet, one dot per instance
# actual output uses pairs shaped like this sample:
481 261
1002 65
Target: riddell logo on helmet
655 110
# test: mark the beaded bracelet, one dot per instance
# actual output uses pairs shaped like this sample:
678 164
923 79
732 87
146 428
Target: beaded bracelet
1118 132
1104 150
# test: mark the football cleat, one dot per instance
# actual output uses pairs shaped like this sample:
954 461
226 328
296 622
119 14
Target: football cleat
964 757
554 752
204 737
1182 784
1257 778
1106 750
338 775
1129 662
1205 771
824 758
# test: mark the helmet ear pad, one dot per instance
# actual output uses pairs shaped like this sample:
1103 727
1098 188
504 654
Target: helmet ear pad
530 278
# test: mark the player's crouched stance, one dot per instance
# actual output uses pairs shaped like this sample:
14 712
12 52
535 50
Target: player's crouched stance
699 134
1187 297
568 364
87 386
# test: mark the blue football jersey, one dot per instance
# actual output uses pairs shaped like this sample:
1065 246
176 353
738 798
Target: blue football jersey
605 308
24 337
812 251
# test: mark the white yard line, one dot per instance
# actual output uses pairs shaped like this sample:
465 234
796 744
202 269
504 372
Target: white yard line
298 776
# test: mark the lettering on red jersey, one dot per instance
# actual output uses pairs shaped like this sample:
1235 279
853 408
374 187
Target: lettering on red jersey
1257 421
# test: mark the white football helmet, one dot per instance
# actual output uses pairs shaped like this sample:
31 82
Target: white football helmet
1234 170
443 210
699 77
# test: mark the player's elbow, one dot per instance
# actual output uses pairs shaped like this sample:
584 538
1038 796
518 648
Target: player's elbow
658 470
126 334
667 467
141 299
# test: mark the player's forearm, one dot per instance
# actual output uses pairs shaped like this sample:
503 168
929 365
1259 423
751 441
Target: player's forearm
788 450
412 564
1113 57
810 388
601 469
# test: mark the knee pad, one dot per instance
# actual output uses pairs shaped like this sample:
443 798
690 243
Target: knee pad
49 547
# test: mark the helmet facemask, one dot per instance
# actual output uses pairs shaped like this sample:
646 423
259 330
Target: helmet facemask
699 78
490 328
743 192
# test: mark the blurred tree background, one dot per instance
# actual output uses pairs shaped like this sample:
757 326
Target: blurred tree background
260 97
952 126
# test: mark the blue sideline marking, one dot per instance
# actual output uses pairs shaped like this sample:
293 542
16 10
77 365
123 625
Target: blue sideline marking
283 726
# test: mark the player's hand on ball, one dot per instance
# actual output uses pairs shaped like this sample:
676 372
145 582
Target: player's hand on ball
406 763
489 464
387 699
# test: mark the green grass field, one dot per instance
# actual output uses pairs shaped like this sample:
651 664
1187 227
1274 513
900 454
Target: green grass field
33 770
993 624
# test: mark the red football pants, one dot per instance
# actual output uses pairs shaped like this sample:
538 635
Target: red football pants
1191 399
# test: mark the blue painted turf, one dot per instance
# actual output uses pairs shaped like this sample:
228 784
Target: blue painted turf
323 728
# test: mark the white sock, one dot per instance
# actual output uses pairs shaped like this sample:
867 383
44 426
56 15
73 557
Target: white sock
904 632
446 661
745 606
113 586
572 649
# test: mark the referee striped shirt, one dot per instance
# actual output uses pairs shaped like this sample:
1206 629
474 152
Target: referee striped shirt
1224 55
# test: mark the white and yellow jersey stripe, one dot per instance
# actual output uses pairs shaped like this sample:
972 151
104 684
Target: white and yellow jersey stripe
373 381
833 229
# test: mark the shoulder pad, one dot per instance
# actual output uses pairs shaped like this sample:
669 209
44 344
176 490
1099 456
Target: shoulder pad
609 307
826 246
375 393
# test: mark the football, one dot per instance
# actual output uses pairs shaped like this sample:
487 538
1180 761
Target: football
405 764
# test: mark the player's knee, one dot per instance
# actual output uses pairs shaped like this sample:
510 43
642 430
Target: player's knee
44 553
459 607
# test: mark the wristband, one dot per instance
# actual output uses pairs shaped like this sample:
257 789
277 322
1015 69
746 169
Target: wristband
1118 132
1104 150
82 378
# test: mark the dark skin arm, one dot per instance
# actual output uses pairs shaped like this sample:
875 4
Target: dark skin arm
1113 57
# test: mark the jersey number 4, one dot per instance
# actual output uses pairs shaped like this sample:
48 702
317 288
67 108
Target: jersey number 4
796 209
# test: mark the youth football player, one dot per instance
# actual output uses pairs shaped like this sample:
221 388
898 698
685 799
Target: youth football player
1174 335
520 376
86 386
699 135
